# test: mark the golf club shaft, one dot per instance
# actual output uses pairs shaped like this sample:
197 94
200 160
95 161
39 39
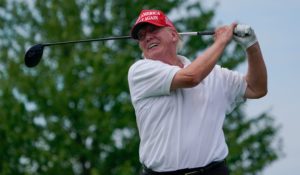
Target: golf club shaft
35 53
87 40
123 37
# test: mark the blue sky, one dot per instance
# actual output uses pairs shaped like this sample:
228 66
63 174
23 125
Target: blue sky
277 28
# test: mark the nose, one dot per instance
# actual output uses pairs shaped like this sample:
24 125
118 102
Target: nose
148 36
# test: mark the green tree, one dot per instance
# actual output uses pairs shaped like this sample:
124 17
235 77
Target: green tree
72 113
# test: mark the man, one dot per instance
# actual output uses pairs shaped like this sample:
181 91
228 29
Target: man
181 105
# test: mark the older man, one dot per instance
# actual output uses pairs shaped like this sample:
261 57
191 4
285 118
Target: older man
181 105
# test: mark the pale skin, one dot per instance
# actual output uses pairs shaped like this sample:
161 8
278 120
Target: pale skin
161 45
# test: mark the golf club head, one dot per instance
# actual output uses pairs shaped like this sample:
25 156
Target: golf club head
34 55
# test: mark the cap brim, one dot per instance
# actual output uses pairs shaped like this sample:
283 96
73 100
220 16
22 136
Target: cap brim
137 27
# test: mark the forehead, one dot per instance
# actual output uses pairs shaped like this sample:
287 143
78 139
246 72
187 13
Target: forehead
146 26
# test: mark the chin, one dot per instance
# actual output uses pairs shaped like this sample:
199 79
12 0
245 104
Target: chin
154 56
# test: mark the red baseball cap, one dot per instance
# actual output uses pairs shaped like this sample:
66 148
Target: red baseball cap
154 17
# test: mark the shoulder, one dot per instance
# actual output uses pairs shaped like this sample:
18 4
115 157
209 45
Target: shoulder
217 71
218 68
144 66
143 62
135 66
222 73
223 70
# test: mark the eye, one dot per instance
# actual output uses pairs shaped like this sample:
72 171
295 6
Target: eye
141 34
148 29
152 29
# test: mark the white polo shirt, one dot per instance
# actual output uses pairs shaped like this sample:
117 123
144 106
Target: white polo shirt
183 128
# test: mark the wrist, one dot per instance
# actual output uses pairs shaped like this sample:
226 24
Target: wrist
253 48
251 43
220 43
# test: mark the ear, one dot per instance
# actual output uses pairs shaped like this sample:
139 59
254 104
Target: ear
174 35
140 46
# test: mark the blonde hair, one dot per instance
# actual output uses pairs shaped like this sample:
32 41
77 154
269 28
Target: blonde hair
179 44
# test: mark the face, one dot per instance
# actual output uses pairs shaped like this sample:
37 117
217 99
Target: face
157 42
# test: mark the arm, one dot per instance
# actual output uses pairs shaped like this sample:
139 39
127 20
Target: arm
193 74
256 76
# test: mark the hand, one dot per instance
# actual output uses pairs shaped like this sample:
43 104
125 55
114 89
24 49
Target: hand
224 34
244 35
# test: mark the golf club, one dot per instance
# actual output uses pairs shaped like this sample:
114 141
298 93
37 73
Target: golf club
34 54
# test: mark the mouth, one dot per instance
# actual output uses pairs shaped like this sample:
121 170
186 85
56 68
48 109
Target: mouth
152 45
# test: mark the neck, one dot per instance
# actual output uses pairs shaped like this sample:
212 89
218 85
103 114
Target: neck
173 60
170 58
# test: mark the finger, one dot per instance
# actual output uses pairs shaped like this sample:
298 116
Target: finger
234 24
232 27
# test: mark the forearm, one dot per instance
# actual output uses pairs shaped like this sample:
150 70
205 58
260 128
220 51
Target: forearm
205 62
194 73
256 76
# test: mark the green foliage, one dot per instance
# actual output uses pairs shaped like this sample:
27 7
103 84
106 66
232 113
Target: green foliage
251 142
72 113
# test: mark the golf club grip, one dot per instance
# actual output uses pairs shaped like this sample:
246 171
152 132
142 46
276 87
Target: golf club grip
197 33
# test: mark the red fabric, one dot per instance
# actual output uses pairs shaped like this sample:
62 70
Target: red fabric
154 17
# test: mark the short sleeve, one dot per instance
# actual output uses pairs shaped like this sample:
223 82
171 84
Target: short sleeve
149 78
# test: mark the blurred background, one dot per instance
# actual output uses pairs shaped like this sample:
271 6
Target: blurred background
72 112
276 26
